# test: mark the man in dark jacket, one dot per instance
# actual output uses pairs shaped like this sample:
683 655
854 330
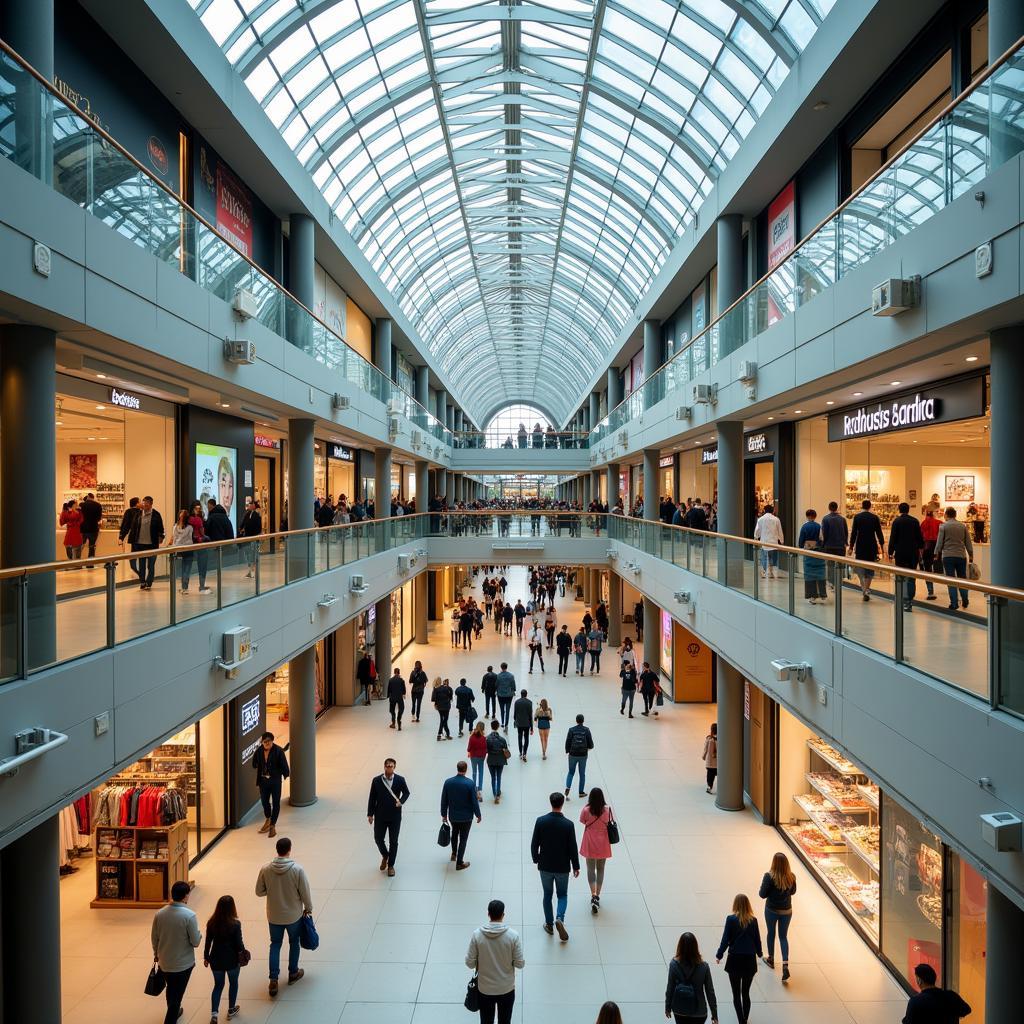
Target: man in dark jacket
251 526
489 685
388 793
218 525
933 1005
146 534
271 769
563 644
325 516
417 684
697 517
92 517
866 541
906 545
365 674
396 697
464 697
578 744
522 718
459 806
835 534
131 513
442 697
553 849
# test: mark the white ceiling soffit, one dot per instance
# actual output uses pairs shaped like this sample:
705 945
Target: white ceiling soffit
516 172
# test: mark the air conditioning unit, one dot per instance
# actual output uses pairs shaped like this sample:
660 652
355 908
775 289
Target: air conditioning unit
404 562
341 402
240 351
394 405
684 412
747 371
703 394
895 295
417 439
393 426
413 559
244 304
357 583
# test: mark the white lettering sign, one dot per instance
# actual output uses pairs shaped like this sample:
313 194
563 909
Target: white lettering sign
757 443
904 413
708 455
250 715
125 399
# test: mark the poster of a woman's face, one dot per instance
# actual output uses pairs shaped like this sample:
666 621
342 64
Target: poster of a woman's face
226 483
216 467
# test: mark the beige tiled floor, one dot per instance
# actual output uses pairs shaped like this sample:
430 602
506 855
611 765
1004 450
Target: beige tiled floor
391 949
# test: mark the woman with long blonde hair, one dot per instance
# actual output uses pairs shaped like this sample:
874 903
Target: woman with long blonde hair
742 938
777 889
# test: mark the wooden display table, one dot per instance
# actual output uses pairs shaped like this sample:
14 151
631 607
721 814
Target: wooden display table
136 866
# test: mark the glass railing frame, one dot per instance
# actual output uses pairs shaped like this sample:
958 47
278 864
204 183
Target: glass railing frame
564 440
390 390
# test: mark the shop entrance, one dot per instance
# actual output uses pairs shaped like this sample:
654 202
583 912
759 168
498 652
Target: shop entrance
758 490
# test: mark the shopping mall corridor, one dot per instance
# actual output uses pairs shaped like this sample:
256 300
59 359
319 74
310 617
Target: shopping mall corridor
392 949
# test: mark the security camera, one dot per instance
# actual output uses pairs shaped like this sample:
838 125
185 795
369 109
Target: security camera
784 670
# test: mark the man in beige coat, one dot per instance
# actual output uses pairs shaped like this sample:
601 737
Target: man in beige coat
286 888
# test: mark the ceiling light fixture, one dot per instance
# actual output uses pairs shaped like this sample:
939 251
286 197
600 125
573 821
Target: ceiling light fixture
820 105
895 383
971 359
101 407
101 376
830 403
796 412
857 394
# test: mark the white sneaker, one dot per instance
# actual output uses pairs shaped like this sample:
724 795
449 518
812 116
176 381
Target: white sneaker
205 590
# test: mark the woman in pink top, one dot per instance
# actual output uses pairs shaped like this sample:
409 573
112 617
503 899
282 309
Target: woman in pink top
595 846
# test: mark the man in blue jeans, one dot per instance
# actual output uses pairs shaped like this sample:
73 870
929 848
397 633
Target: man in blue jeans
554 851
284 884
578 744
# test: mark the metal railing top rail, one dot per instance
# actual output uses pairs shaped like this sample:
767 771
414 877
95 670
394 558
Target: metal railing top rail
103 133
862 190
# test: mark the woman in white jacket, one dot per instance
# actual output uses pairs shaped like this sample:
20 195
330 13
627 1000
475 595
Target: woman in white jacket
768 530
495 951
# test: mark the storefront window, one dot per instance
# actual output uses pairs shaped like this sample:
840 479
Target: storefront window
212 778
277 693
911 902
965 950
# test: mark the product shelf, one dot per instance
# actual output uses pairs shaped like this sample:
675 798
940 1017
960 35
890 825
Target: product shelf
833 758
866 854
828 822
840 802
870 793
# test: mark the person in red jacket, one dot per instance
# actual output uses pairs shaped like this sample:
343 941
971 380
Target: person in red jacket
71 518
477 751
930 532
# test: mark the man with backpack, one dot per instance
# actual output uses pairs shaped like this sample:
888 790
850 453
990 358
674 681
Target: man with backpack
578 744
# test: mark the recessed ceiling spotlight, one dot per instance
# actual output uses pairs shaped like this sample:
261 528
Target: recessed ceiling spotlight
101 376
830 403
92 439
895 383
820 105
60 423
771 417
101 407
857 394
971 359
796 412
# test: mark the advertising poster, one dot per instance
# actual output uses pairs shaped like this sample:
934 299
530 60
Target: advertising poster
781 225
234 210
83 471
666 642
216 471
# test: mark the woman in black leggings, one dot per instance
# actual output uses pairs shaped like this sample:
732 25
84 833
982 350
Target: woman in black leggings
742 938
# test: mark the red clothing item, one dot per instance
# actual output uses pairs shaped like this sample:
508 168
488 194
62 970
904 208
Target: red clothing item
930 529
477 745
72 519
126 803
196 523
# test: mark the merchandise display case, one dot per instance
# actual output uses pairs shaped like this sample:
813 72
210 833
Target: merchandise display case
883 485
136 866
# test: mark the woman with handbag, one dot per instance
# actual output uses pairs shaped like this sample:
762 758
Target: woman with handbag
225 954
599 831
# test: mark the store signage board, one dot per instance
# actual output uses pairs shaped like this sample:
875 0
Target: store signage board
941 403
666 461
125 399
262 441
708 455
753 445
339 451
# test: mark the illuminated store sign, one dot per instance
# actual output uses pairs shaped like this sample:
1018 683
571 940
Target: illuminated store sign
339 451
262 441
125 399
761 443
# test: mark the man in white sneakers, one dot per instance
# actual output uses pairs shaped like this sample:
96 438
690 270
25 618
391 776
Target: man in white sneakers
495 951
768 530
286 888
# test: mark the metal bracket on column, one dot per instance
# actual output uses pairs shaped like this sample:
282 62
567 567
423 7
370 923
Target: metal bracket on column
30 744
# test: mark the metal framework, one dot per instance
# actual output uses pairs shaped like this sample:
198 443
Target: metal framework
517 171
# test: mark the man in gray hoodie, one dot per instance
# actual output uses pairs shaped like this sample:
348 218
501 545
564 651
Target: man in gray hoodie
286 888
495 951
175 935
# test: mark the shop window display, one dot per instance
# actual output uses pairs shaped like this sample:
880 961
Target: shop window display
277 695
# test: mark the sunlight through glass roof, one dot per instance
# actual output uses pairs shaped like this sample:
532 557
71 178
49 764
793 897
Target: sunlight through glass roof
516 172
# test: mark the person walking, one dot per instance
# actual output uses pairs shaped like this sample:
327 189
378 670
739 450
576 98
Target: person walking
628 687
609 1014
495 951
638 620
690 992
441 697
497 756
388 794
931 1004
506 691
954 550
579 648
476 749
554 851
284 885
535 641
417 684
396 698
71 520
366 673
906 548
127 519
459 806
595 642
522 719
768 530
92 520
543 717
866 541
563 646
809 538
777 890
710 756
596 847
578 744
648 688
182 536
489 686
224 953
930 533
742 938
175 935
550 624
146 534
507 614
520 613
251 526
271 767
835 535
464 697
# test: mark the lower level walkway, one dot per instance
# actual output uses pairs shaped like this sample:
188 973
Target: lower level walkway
392 949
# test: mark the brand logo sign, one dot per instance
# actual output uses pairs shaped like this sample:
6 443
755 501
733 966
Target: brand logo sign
339 451
250 715
234 210
756 443
157 154
708 455
125 399
943 403
262 441
666 461
781 225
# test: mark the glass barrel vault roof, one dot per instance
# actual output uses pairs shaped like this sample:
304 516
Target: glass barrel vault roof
517 172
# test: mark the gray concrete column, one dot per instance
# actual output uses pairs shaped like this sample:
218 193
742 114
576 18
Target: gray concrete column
614 388
654 349
27 26
301 258
1005 27
730 500
441 403
731 276
382 347
1006 349
449 488
459 420
594 410
382 635
28 454
422 485
1003 923
300 493
441 482
652 634
595 587
651 496
614 484
614 608
449 416
423 387
730 730
302 728
382 482
30 925
460 487
421 602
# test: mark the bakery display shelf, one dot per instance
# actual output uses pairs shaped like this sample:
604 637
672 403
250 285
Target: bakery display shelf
833 758
868 856
823 789
818 818
870 794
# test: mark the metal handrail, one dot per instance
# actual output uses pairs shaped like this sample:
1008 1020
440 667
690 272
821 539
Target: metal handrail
54 739
953 103
103 133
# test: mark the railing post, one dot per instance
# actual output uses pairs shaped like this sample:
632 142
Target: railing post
256 565
757 575
791 580
171 590
840 572
996 605
110 595
220 577
897 607
344 534
23 626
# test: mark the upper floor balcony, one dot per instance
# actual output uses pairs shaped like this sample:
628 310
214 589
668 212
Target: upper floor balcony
977 133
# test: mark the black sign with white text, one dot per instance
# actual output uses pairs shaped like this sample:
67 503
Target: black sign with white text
247 723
